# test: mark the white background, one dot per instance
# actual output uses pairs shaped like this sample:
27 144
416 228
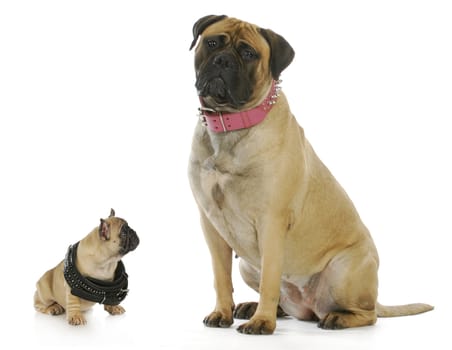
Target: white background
97 109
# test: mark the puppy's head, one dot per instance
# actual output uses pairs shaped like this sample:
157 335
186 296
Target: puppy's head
235 62
116 235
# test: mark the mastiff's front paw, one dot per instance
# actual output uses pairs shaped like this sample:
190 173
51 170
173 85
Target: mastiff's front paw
257 325
219 319
245 311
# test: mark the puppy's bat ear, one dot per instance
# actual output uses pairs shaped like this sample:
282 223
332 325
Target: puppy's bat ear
112 212
281 53
104 230
201 24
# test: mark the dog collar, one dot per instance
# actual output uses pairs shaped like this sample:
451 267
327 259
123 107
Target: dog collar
92 289
220 122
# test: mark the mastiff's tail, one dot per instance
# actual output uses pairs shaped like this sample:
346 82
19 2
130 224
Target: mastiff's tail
402 310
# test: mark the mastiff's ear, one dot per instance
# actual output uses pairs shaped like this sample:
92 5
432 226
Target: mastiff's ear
112 212
201 24
281 53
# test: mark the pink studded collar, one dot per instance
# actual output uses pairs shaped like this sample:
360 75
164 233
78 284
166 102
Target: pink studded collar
220 122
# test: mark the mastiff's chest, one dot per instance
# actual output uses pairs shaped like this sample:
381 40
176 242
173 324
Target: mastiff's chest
225 187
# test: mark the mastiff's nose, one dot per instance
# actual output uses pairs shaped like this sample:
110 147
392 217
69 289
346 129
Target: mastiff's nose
225 61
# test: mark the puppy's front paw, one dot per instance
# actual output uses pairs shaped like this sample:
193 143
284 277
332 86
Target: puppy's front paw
76 319
257 326
219 319
114 309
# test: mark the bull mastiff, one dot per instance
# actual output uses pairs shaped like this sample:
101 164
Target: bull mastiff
264 194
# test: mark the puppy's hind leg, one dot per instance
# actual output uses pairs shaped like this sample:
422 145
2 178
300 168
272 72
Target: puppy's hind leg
49 307
44 300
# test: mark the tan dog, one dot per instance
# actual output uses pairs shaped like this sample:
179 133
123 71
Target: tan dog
92 272
263 193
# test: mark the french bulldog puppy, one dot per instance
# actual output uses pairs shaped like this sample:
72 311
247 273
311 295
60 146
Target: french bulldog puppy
92 272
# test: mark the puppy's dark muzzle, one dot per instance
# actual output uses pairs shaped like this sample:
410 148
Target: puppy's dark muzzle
129 240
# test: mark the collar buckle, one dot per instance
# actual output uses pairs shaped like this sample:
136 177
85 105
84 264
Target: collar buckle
203 118
122 293
201 115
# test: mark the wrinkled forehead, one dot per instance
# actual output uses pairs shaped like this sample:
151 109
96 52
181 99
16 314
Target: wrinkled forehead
117 222
237 32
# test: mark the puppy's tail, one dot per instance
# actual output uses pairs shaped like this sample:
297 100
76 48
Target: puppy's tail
402 310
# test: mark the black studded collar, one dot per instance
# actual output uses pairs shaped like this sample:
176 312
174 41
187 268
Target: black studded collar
92 289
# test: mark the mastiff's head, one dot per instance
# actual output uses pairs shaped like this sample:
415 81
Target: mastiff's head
235 62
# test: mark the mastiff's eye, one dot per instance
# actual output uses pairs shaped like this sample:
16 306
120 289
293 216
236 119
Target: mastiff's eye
212 43
248 54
